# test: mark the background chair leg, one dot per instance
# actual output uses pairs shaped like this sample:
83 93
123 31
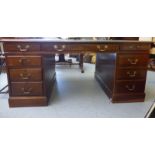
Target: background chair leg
81 63
2 90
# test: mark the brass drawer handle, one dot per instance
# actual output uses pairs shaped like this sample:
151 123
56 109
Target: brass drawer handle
25 76
133 61
23 61
59 49
133 74
139 46
26 91
130 88
23 49
131 47
136 46
102 49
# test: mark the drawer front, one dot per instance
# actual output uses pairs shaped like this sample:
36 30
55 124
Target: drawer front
107 47
130 86
136 60
22 61
82 47
78 47
130 74
27 88
61 47
128 47
21 47
27 74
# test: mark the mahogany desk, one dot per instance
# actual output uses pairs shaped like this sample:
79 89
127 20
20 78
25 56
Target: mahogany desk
121 68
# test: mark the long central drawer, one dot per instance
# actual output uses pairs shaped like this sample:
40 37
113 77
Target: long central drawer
79 47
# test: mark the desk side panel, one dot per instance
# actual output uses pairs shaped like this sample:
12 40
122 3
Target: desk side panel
105 71
48 74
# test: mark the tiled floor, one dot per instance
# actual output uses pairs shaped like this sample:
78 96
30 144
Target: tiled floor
79 95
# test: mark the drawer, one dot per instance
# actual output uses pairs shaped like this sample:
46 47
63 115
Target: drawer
61 47
133 60
82 47
134 46
107 47
27 88
128 74
21 47
130 86
79 47
22 61
27 74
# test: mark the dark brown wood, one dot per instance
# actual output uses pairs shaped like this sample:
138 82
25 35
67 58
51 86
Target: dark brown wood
128 87
131 74
26 74
136 46
49 74
105 71
23 61
128 98
21 47
121 67
133 60
131 69
61 47
26 88
30 101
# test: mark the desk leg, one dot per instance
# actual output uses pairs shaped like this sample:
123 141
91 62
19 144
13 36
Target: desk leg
81 63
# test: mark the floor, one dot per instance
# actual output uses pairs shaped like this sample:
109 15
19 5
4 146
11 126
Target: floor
79 95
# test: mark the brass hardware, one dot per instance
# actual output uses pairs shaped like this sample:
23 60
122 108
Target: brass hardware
102 49
133 62
131 88
23 61
131 46
60 49
138 46
25 76
23 49
133 74
26 91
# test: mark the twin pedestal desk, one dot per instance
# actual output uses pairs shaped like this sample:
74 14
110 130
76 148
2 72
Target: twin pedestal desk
121 68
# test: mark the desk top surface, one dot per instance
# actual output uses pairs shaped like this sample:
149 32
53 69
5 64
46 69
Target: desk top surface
71 40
